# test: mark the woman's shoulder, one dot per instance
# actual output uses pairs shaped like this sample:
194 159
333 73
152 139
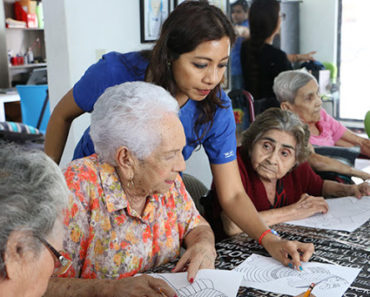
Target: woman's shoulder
123 62
83 165
272 50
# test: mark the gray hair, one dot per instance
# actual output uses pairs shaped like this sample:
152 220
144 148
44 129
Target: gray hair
282 120
33 194
287 84
128 115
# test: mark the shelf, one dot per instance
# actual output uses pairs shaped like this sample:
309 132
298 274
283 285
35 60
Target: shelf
28 66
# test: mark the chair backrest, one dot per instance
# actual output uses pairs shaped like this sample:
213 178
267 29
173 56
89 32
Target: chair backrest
35 105
367 123
243 107
196 189
346 155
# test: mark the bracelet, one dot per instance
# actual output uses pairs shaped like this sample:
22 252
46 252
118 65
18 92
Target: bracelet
264 234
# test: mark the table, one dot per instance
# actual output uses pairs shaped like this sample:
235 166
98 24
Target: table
4 98
340 247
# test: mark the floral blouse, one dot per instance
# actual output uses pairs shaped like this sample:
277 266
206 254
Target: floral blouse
106 238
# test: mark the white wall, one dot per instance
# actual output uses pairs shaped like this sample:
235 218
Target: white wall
76 32
318 29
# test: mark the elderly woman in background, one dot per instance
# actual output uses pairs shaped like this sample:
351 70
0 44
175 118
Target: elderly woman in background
298 91
32 195
272 166
129 210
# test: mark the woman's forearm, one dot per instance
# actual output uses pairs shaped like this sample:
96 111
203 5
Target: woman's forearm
59 124
76 287
200 234
56 138
279 215
244 215
334 189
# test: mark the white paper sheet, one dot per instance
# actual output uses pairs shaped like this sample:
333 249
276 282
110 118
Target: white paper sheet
265 273
345 214
207 283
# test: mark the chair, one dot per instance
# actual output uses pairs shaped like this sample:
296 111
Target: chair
212 214
346 155
196 189
35 107
262 104
243 107
367 123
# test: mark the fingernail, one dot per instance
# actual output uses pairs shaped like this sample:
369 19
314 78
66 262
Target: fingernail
191 280
300 268
173 269
290 265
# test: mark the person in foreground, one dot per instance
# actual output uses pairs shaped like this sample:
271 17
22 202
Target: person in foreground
189 60
129 210
298 91
33 194
275 174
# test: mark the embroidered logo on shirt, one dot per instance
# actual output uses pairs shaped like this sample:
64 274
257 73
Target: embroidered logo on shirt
229 154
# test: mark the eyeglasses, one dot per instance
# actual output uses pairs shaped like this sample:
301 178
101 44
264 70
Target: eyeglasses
62 264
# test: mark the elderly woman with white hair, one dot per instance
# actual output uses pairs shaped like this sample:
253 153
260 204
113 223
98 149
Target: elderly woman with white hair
33 194
129 210
298 91
275 174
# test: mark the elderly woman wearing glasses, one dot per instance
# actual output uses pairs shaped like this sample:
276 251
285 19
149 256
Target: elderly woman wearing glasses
298 91
129 210
32 195
274 173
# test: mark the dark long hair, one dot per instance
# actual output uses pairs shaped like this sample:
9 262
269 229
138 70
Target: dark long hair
189 24
263 21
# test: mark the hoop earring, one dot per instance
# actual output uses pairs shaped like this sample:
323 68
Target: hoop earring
130 183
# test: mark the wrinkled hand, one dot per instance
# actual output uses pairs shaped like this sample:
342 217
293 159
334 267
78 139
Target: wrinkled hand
198 256
308 205
361 190
306 57
365 147
364 175
288 252
143 285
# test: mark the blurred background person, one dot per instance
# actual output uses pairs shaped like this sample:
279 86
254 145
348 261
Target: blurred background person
261 61
33 194
239 17
298 91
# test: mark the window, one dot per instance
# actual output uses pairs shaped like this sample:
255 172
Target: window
354 58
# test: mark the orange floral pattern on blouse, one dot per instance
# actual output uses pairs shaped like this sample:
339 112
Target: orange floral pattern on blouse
105 238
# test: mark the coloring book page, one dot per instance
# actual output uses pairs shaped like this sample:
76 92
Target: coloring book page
266 273
345 214
207 283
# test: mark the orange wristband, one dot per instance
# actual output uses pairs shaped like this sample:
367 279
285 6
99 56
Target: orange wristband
263 235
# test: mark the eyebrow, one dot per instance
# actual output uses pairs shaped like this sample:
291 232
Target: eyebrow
209 59
283 145
173 151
